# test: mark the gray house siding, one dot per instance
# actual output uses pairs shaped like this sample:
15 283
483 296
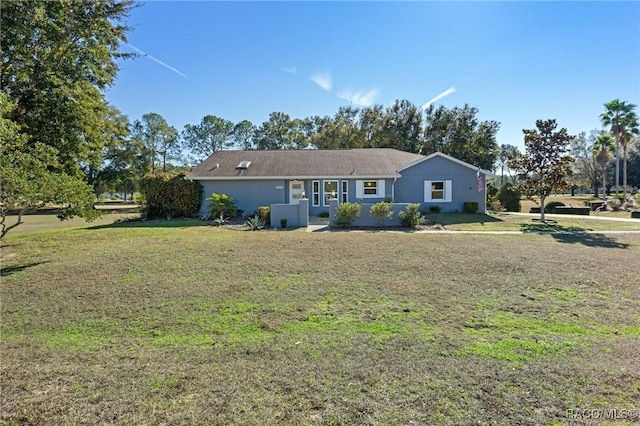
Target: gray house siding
251 194
410 188
352 193
248 194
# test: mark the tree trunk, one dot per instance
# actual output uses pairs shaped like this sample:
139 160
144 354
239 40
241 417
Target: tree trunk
604 183
624 170
617 163
542 218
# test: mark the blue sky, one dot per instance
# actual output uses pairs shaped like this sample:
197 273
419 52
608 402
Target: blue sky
515 61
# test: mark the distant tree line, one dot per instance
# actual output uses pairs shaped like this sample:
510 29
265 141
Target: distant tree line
61 142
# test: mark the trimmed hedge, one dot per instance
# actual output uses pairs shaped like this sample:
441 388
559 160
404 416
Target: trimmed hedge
551 206
573 210
168 196
564 210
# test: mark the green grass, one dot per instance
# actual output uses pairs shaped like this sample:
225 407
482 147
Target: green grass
506 222
173 322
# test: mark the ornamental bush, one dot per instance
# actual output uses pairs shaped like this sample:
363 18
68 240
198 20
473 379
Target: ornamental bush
470 207
346 213
410 217
265 214
381 211
222 205
168 196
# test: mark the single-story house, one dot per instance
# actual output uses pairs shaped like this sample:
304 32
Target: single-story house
367 175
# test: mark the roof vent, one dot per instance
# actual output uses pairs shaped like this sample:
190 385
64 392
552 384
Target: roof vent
243 165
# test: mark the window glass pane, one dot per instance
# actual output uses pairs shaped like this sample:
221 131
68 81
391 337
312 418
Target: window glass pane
437 190
370 187
330 190
345 190
316 193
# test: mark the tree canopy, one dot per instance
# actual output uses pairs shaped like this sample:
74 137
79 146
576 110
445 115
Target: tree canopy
459 133
58 58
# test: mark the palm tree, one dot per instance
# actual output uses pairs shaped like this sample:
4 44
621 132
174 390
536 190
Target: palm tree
601 149
624 123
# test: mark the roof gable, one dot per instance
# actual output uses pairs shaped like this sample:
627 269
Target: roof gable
365 162
447 157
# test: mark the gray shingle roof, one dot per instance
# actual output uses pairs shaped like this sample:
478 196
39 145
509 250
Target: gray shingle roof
367 162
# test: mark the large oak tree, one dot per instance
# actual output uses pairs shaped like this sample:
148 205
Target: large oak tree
544 167
57 60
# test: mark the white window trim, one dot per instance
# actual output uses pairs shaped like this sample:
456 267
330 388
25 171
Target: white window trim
447 191
314 193
379 188
325 200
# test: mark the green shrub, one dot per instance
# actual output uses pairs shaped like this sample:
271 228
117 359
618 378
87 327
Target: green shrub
470 207
222 204
168 196
346 213
283 222
509 197
434 209
324 214
265 214
255 223
410 217
492 199
551 206
381 211
139 199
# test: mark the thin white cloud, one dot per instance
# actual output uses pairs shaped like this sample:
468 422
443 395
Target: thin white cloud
359 97
322 79
447 92
153 58
290 70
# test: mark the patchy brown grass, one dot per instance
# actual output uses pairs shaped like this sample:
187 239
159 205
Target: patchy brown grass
158 323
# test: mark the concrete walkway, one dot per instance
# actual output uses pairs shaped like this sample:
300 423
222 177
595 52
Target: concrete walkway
574 216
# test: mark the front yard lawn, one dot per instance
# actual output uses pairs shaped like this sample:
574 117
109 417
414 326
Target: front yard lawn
165 324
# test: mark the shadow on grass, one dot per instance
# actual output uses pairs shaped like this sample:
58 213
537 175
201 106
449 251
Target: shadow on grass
139 223
459 218
9 270
573 235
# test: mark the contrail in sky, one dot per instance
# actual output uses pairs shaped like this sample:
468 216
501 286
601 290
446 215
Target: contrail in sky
153 58
447 92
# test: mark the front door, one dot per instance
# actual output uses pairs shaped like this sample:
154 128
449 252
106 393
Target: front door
296 188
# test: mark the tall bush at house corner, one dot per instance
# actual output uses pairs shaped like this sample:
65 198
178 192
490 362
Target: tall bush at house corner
381 211
168 196
509 197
